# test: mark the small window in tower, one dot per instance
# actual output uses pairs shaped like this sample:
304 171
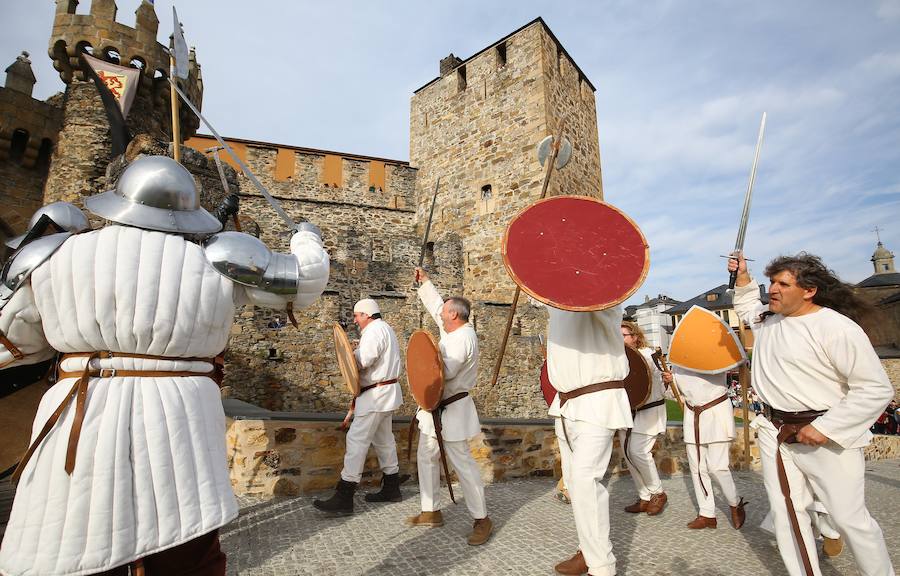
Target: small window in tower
44 153
429 251
111 55
486 205
501 55
137 62
460 78
18 145
885 267
712 297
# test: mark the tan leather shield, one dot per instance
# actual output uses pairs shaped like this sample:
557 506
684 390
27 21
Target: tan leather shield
424 369
17 411
637 383
346 360
704 343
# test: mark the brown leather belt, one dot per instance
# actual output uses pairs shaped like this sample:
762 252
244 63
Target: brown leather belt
79 393
16 353
346 423
788 424
589 389
649 405
438 430
697 410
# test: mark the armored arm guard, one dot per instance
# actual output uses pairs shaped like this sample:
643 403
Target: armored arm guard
299 277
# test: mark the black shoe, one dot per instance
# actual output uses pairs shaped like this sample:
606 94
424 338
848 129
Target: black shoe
341 503
390 490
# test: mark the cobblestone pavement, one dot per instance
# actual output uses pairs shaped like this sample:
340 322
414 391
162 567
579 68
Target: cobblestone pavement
533 531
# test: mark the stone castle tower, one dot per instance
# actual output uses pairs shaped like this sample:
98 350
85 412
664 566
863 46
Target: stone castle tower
81 152
477 127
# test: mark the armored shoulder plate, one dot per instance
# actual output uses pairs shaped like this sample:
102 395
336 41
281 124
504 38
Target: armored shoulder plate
247 261
25 261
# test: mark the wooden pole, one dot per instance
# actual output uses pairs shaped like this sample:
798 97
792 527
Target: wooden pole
176 125
744 382
551 161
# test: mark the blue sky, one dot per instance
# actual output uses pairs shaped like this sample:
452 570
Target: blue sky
680 86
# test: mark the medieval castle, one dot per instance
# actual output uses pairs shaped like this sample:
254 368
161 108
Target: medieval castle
475 126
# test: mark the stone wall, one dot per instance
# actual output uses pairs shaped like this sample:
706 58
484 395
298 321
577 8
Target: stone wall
291 456
478 126
892 367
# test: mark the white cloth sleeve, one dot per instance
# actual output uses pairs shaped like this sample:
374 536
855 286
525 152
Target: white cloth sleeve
432 301
20 322
870 390
313 265
370 349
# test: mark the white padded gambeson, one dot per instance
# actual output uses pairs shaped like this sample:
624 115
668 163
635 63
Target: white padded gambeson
151 469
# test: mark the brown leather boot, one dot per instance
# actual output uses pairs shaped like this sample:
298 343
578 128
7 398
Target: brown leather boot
637 507
428 519
574 566
738 515
833 546
701 522
657 503
481 531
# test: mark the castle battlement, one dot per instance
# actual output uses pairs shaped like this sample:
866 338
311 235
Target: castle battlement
98 34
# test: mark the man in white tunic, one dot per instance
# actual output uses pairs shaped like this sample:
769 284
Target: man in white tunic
709 415
586 363
128 463
822 386
378 359
459 418
649 422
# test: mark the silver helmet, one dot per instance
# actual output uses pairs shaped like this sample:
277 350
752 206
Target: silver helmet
155 193
67 216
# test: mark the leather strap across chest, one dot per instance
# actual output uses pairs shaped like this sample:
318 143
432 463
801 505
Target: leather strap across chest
697 410
79 393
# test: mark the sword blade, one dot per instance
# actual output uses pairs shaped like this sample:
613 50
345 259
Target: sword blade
272 201
180 48
428 226
745 215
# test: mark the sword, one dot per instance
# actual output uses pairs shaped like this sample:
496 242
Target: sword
215 152
428 226
272 201
745 216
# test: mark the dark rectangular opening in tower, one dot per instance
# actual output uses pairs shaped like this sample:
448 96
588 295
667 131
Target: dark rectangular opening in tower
461 78
501 55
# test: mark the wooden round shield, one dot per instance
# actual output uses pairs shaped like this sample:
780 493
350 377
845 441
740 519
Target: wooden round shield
575 253
547 388
346 360
424 369
703 342
638 381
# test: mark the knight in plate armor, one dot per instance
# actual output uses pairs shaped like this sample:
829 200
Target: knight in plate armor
127 463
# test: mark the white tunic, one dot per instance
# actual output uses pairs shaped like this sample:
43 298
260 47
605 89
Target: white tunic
585 348
151 469
459 351
818 361
652 421
716 423
378 358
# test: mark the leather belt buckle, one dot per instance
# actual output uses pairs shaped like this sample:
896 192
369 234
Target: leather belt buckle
107 373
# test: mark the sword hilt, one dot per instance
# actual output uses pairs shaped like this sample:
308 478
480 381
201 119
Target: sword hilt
732 279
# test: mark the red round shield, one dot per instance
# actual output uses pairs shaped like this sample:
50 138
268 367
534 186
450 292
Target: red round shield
575 253
638 381
547 388
424 369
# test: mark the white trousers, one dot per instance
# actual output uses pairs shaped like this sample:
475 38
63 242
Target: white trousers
375 429
713 463
460 459
641 464
837 477
584 465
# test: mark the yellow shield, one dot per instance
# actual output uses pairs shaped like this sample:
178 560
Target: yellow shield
702 342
